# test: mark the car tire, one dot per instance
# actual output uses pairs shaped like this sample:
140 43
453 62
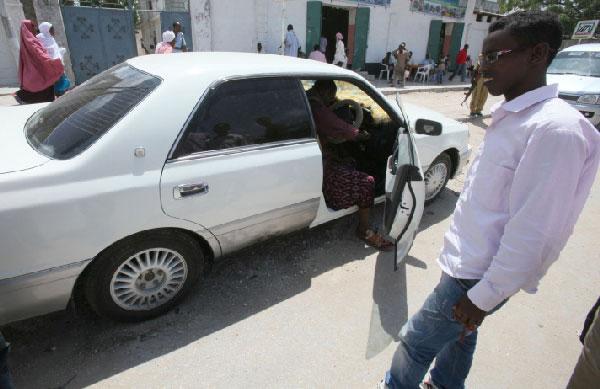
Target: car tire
143 276
436 177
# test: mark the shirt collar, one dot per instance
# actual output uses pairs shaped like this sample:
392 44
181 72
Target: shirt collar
527 99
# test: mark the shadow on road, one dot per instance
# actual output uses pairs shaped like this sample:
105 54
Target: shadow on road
61 350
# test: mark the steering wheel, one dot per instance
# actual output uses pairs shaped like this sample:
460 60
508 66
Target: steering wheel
358 112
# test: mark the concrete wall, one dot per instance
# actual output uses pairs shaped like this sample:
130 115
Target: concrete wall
11 14
232 25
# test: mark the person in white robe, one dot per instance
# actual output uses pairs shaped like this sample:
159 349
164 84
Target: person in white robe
291 42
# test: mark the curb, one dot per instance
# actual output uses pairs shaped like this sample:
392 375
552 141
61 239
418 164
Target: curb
470 119
439 89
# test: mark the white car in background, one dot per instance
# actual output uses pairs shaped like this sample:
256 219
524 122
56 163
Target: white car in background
123 190
576 70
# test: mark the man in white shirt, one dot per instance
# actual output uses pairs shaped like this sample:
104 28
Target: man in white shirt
291 42
523 194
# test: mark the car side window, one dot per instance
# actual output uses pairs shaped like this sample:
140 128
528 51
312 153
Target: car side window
247 112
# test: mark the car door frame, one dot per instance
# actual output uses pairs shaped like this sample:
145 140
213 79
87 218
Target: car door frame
273 222
326 214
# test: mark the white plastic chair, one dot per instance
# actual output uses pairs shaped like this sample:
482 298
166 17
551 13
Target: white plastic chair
423 72
386 70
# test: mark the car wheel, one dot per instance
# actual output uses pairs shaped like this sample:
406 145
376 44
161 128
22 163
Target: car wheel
143 276
436 177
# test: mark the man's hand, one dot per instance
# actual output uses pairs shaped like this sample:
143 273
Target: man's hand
468 313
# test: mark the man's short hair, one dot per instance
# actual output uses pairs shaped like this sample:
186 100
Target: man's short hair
325 85
290 27
532 27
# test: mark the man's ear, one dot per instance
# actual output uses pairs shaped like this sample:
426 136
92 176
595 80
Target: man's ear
539 54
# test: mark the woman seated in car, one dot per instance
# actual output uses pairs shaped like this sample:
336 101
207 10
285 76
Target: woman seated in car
343 185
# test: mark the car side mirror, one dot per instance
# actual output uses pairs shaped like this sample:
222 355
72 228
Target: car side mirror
428 127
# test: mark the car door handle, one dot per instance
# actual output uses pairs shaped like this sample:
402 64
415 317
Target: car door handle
186 190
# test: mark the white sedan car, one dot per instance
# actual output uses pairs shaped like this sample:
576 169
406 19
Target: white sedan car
123 190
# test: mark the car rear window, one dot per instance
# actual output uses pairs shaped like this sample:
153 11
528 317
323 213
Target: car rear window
73 122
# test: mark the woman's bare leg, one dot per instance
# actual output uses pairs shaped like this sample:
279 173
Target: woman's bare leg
363 220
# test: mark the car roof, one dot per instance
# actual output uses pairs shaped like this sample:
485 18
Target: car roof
222 64
584 47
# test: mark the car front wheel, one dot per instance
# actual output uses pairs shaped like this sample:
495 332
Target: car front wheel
436 177
143 276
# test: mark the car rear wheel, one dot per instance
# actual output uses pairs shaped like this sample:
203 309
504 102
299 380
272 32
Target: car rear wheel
436 177
143 276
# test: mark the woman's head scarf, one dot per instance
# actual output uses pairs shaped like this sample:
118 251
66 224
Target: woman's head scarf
37 70
168 36
48 40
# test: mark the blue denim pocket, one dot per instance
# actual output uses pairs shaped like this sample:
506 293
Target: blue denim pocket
448 292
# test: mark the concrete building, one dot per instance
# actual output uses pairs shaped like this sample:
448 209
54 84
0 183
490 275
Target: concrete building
370 28
437 26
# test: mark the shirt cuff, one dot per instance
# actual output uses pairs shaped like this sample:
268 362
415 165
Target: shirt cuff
484 296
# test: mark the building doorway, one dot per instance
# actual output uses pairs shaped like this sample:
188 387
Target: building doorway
326 21
444 39
333 20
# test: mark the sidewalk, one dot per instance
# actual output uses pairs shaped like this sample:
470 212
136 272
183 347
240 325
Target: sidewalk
7 99
412 86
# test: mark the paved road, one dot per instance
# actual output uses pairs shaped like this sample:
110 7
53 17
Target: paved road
318 309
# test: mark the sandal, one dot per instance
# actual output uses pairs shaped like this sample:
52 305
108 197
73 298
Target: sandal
374 239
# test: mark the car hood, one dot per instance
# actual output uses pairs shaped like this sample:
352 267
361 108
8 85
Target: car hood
571 83
15 153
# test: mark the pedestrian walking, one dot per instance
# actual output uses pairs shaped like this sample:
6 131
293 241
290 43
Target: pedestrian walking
46 38
291 42
587 371
167 44
478 92
38 72
461 64
440 71
180 44
512 219
401 56
340 58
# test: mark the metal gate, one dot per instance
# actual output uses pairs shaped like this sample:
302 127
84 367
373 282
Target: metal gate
98 37
155 17
102 33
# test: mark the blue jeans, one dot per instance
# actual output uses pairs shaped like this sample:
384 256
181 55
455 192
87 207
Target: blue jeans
434 333
462 70
5 380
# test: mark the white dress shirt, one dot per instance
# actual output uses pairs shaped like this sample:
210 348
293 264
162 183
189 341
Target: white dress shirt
523 193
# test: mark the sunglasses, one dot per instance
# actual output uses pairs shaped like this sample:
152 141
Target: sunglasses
490 58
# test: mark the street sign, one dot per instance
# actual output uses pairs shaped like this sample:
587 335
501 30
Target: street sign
585 29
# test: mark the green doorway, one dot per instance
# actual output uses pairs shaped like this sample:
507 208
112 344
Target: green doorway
334 20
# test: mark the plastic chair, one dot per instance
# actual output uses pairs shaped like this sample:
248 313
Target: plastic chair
423 72
385 70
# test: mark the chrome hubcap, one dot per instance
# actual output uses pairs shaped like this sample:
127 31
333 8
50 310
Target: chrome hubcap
435 178
148 279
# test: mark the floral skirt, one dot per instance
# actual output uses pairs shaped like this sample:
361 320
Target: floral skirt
344 186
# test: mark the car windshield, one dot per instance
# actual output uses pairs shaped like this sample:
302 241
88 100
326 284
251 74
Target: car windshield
581 63
72 123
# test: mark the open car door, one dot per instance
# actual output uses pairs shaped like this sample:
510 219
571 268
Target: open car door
404 195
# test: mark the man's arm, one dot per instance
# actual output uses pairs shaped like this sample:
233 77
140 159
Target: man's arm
541 200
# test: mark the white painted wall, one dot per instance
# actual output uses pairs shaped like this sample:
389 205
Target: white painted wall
12 12
234 25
